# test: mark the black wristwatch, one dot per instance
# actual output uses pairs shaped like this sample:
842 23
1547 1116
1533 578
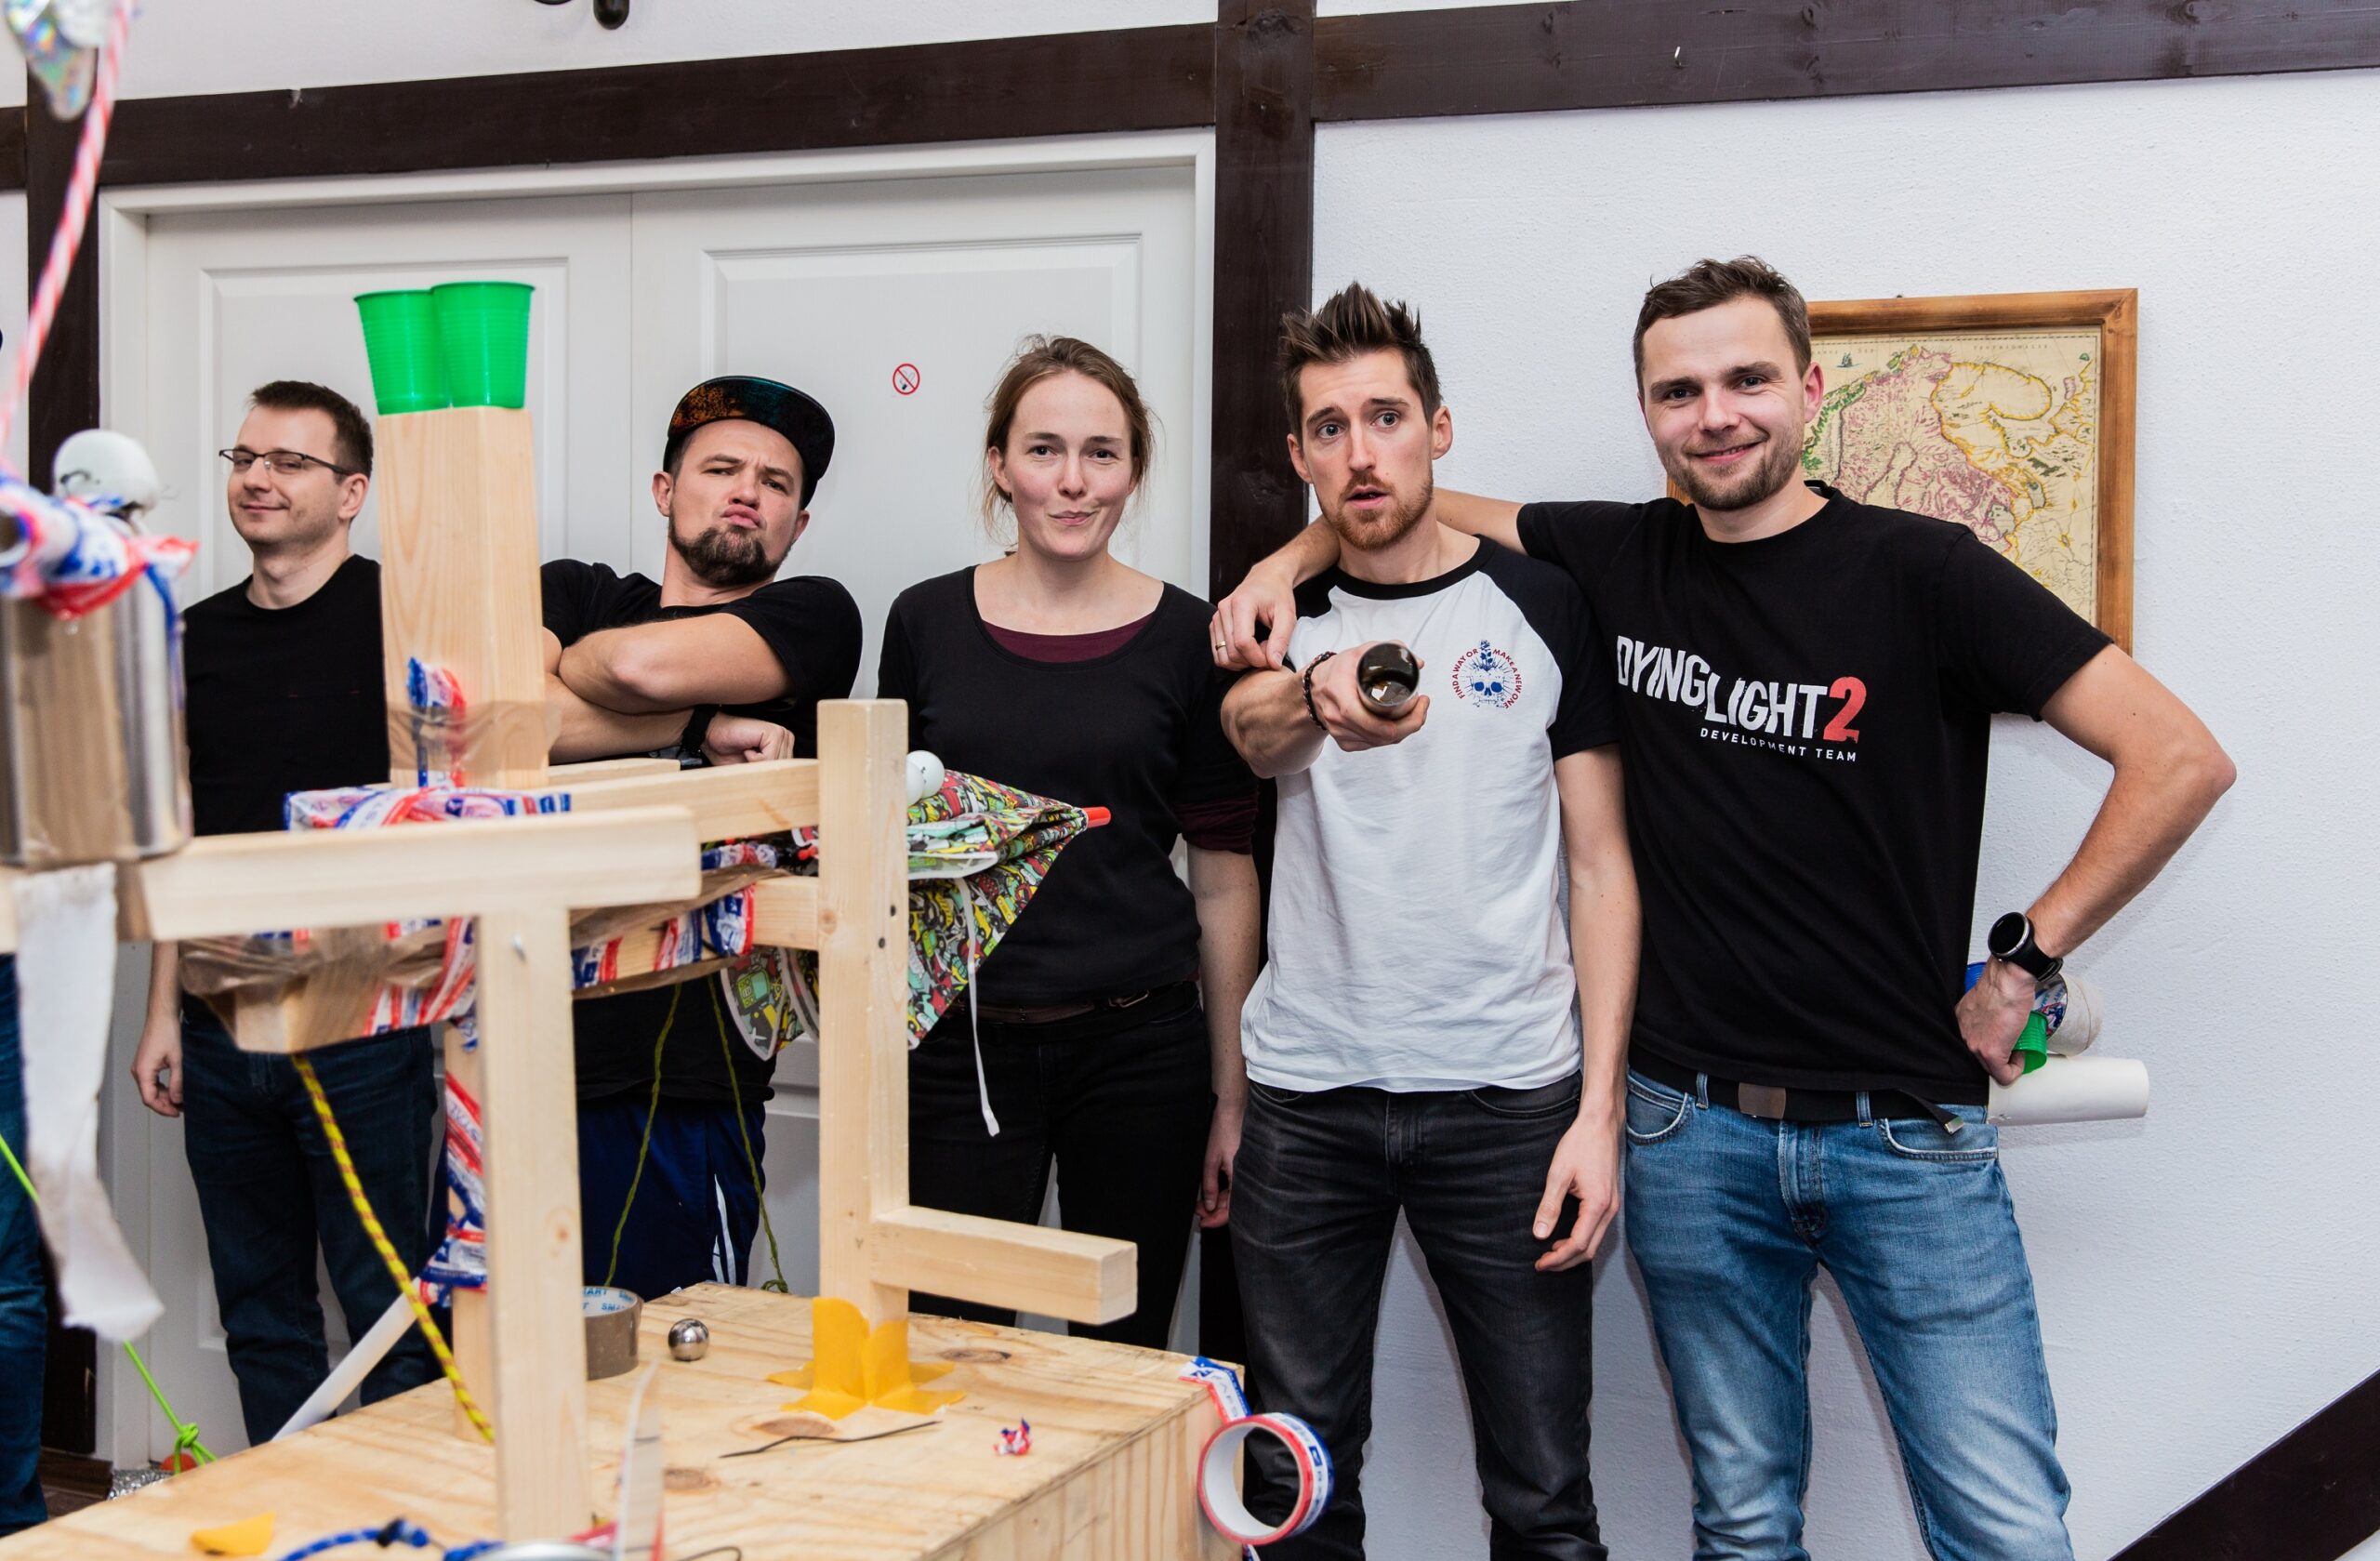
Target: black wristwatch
691 740
2012 939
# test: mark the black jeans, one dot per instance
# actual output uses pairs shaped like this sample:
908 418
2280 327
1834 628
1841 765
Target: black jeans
268 1191
1318 1185
1118 1099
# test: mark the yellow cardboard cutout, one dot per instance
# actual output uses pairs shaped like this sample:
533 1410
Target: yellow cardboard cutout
249 1537
855 1366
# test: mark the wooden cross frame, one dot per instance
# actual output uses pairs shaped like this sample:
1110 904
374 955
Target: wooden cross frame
459 591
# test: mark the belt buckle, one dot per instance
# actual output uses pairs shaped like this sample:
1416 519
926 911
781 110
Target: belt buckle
1133 1001
1763 1101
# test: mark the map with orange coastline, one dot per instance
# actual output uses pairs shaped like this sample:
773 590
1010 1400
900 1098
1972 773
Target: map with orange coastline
1999 432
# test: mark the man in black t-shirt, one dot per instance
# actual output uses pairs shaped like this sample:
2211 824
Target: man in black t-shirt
1806 686
282 692
719 662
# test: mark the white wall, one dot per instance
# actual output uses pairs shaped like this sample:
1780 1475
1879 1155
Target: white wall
2208 1277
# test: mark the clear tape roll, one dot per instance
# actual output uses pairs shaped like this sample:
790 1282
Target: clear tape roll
1218 1495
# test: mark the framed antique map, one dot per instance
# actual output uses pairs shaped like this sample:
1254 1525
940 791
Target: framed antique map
2008 413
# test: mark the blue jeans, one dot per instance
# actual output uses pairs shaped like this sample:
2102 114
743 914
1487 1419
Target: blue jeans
696 1204
1729 1218
1316 1193
268 1191
24 1311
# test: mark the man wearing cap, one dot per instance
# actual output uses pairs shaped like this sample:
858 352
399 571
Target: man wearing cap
719 662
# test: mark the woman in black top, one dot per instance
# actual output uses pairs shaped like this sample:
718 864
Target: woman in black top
1060 669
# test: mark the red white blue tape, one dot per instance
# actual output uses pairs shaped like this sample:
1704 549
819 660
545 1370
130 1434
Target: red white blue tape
1219 1493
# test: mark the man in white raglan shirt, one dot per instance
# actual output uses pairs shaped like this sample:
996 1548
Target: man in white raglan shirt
1415 1043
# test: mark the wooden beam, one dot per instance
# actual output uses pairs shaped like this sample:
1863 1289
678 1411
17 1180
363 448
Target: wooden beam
1055 1272
1096 80
529 1112
64 397
864 1052
1264 211
1600 54
2308 1497
610 769
785 913
729 802
226 885
460 592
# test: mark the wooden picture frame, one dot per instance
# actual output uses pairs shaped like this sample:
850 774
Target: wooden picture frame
1859 330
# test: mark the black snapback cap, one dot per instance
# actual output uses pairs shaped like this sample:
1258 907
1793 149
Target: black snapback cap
798 416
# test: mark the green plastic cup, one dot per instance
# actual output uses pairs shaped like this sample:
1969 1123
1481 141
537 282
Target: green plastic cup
485 328
400 339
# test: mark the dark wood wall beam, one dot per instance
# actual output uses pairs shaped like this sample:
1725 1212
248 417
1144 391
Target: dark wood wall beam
1263 265
1597 54
12 146
1142 78
2309 1497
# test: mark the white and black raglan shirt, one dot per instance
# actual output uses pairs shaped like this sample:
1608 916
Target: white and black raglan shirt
1416 938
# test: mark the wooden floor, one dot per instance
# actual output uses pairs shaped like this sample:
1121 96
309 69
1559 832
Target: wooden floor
1115 1436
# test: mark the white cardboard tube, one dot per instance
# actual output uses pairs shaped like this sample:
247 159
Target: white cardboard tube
348 1374
2073 1089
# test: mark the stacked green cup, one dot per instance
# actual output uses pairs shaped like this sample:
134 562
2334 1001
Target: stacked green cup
402 340
485 327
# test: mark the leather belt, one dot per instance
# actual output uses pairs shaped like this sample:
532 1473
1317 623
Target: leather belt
1771 1102
1051 1014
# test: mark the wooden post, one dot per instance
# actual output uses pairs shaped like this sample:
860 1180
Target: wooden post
459 591
539 1375
862 965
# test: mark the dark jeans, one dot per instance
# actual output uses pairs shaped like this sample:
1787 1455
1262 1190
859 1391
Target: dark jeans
697 1205
1319 1183
24 1311
269 1192
1117 1100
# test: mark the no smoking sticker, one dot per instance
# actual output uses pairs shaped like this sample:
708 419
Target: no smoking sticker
905 379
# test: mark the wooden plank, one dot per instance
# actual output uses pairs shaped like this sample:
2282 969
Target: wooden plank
226 885
64 397
1053 1273
864 1052
1265 209
1114 1437
12 151
2308 1497
529 1114
1089 81
459 586
785 913
727 801
610 769
1595 54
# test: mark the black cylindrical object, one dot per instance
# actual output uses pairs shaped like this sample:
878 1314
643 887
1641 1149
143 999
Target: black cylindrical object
1386 678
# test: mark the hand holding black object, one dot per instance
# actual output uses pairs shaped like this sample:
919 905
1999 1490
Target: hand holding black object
1339 704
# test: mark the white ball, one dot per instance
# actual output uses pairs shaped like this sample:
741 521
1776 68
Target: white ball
101 463
926 774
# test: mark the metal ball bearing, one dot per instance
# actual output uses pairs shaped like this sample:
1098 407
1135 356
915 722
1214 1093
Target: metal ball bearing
689 1339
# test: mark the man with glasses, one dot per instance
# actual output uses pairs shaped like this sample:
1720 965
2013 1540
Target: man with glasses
283 680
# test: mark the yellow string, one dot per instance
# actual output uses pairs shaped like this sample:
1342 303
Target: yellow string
387 1252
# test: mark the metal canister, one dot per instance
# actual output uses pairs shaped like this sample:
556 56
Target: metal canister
92 765
1386 678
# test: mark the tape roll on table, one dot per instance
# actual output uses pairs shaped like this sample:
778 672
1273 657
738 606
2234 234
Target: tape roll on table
611 1315
1219 1493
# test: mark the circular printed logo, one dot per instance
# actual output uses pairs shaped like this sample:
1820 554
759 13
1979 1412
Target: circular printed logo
1487 676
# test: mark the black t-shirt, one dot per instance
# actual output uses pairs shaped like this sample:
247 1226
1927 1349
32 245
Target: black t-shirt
1138 731
810 623
282 700
813 627
1806 724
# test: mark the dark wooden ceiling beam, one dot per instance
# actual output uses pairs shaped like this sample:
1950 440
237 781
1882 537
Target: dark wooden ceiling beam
1597 54
1142 78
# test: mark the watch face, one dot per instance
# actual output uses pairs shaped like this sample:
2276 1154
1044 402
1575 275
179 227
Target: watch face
2008 933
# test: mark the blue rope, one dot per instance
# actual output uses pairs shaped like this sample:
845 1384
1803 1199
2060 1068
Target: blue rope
395 1531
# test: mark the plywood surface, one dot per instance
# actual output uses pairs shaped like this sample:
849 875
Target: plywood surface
1115 1438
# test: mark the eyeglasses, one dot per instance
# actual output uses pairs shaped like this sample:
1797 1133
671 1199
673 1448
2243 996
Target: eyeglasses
281 463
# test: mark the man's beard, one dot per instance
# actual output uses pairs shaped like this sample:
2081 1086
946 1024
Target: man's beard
726 556
1371 536
1776 465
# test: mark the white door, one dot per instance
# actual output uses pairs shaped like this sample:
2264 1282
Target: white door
233 300
897 302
